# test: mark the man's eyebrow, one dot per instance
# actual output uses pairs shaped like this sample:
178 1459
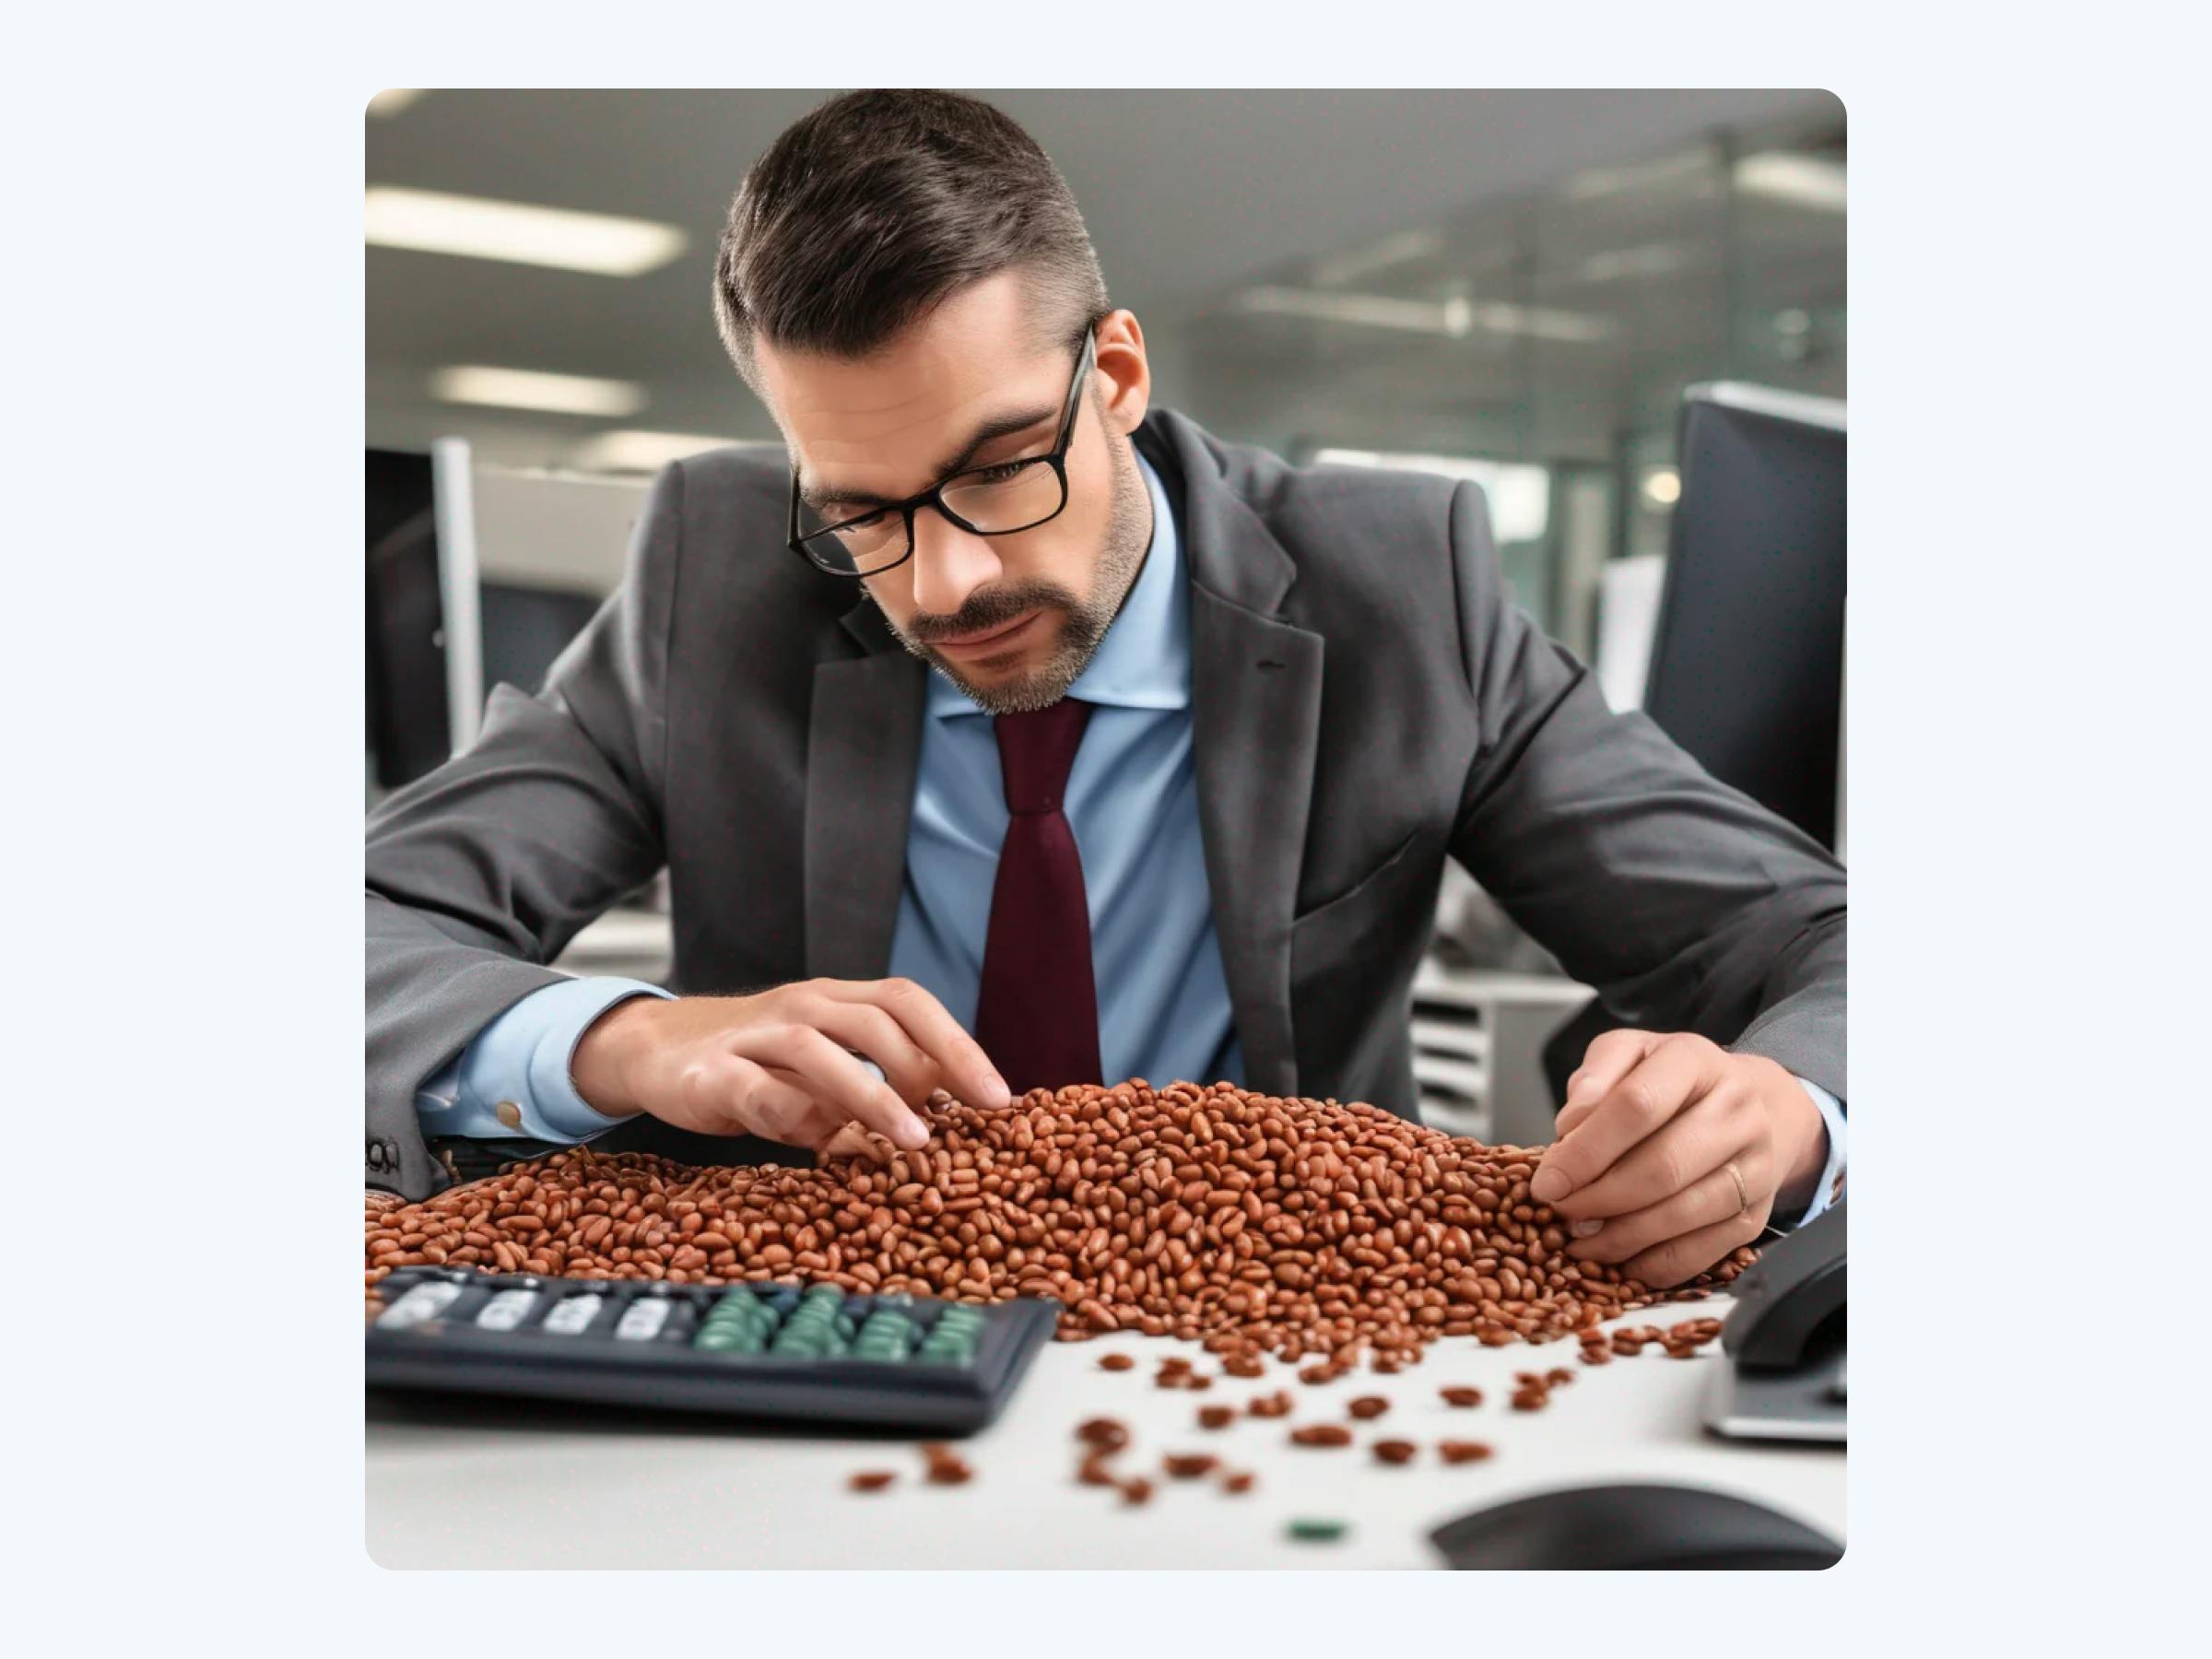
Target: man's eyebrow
998 426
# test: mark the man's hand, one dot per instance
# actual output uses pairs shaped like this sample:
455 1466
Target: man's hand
780 1064
1672 1151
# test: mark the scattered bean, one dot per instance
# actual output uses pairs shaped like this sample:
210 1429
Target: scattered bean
1092 1470
945 1466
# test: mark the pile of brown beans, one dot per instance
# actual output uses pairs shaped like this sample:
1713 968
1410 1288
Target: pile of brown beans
1255 1223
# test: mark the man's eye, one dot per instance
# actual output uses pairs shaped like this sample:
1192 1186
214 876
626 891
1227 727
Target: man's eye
1000 474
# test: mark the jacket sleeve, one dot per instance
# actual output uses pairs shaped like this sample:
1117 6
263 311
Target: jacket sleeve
1683 902
479 873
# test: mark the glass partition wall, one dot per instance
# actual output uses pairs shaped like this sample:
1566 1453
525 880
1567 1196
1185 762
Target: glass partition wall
1542 344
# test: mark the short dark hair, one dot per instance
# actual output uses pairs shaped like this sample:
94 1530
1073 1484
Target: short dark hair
874 208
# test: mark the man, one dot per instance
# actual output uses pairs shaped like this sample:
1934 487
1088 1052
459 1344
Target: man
1073 745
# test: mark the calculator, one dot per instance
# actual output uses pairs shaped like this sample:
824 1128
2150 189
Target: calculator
806 1351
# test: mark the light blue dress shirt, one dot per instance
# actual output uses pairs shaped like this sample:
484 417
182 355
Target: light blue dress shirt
1132 804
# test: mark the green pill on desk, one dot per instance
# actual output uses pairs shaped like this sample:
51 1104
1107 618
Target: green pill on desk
1318 1530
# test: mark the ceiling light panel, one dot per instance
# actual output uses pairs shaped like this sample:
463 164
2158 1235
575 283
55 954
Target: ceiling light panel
1814 182
1453 318
517 232
530 389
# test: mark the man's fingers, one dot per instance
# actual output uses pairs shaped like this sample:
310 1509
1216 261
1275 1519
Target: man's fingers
1677 1071
1712 1197
875 1035
1609 1058
1668 1264
1717 1125
966 1071
728 1094
1605 1063
817 1126
835 1079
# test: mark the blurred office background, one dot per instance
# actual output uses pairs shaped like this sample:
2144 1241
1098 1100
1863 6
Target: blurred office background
1516 287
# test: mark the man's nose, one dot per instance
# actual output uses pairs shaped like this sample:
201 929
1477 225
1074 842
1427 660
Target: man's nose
949 563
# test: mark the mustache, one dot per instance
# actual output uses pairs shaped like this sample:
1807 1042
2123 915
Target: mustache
992 607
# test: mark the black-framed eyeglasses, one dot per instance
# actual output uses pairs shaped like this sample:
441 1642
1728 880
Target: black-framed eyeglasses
983 501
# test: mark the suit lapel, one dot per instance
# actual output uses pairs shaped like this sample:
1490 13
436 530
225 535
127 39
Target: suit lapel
1255 715
863 743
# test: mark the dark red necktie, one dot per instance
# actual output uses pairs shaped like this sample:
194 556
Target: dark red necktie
1037 1015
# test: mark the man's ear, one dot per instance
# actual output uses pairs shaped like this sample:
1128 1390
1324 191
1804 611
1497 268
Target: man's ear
1123 373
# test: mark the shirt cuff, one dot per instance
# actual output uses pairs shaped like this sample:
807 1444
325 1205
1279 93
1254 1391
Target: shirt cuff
1827 1189
512 1080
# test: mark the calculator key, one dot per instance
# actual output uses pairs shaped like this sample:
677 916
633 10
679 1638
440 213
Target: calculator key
505 1310
571 1315
423 1302
643 1320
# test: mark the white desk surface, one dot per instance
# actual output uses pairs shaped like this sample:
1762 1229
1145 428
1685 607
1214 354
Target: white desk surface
491 1484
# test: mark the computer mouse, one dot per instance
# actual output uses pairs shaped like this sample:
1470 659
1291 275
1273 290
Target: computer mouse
1632 1527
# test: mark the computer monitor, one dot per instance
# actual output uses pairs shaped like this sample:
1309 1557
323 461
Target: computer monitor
526 626
409 718
425 648
1747 670
438 632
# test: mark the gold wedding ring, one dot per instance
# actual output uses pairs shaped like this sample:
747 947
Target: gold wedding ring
1743 1198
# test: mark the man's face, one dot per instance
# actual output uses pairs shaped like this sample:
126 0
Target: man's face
1011 620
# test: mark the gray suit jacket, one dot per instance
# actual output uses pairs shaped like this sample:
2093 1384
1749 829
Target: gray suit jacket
1366 703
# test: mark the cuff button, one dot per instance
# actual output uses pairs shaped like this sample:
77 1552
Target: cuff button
509 1114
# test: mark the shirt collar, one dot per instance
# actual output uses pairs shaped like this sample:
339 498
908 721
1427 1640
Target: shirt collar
1144 660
